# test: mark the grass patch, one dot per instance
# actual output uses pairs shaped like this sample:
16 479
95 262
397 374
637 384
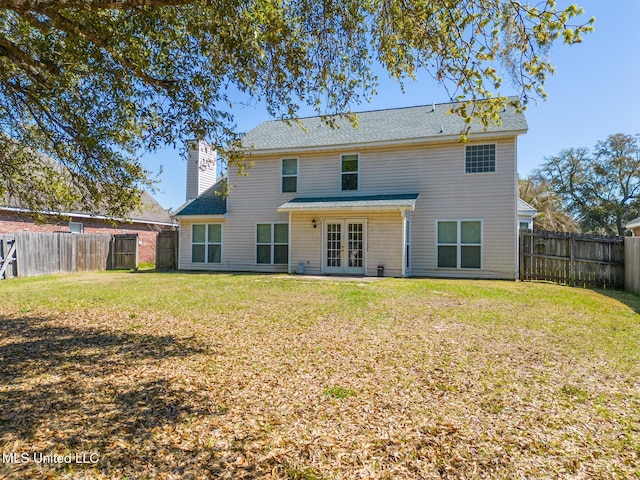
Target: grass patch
218 376
339 392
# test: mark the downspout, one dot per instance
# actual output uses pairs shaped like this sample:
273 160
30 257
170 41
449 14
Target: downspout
289 270
403 214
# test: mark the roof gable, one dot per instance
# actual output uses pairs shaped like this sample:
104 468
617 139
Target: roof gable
525 209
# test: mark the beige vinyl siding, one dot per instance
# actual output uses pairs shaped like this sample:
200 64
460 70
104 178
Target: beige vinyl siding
383 240
435 171
306 242
184 246
199 179
253 199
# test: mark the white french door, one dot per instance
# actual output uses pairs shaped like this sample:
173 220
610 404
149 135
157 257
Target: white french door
344 246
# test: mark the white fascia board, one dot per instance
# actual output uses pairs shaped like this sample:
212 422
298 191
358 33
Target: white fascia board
87 215
527 213
386 208
197 218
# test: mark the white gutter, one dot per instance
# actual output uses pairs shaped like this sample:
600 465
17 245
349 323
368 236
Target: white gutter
86 215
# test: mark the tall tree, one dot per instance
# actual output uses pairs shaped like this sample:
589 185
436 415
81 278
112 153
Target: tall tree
91 83
551 214
601 188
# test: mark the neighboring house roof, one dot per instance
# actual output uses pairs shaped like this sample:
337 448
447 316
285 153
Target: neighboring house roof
150 212
384 127
633 223
211 202
525 209
357 202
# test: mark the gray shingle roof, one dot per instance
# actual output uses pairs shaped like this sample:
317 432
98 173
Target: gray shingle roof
150 211
210 202
350 202
379 126
524 208
633 223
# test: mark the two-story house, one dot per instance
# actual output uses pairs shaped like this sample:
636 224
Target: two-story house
399 193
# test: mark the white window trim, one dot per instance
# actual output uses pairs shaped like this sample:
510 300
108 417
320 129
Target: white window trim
477 144
297 175
344 221
206 243
459 244
76 223
272 243
357 172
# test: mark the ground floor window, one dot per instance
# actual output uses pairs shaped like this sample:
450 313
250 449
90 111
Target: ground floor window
76 227
272 243
206 243
460 244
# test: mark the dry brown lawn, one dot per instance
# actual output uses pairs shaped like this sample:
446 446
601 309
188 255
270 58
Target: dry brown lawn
248 376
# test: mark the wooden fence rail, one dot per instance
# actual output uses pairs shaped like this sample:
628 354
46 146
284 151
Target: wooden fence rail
572 259
49 253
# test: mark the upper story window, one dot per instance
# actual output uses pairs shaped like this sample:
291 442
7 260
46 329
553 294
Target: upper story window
289 175
350 168
480 158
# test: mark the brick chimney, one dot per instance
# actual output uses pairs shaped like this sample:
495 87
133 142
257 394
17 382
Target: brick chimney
201 168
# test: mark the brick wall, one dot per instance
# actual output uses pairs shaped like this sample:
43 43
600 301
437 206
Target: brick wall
12 222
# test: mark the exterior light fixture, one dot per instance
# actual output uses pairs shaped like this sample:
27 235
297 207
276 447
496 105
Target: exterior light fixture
314 223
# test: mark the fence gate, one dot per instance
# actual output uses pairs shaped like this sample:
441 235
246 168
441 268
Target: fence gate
572 259
124 252
7 256
167 250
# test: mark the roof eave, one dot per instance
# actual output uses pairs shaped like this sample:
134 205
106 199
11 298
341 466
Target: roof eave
528 214
202 216
88 215
346 208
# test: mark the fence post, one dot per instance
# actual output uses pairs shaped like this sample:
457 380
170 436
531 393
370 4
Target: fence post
572 260
521 241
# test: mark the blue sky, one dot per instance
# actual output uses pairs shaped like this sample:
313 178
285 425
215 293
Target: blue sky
594 93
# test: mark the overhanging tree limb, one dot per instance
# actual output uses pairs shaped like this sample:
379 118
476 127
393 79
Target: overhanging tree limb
109 79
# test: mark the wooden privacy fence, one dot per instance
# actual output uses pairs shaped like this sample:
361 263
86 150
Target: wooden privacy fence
572 259
48 253
167 250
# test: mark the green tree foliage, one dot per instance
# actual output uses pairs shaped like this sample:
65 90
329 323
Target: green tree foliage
92 83
551 214
601 187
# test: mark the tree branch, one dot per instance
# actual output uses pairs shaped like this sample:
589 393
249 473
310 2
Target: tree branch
56 5
25 62
72 28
